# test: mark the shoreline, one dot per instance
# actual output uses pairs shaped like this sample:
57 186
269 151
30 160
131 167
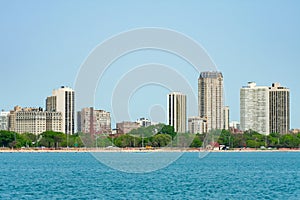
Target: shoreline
119 150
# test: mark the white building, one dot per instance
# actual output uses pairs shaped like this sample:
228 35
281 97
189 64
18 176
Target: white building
177 111
144 122
210 99
63 100
54 121
37 121
254 108
235 125
4 120
197 125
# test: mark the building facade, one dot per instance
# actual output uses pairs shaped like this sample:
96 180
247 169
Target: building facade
235 125
177 111
37 121
144 122
210 99
226 118
54 121
279 109
254 108
126 127
12 118
4 120
63 100
197 125
94 121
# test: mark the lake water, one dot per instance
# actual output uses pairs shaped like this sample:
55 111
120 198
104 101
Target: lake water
217 176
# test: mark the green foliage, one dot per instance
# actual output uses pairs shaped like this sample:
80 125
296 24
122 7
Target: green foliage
7 138
167 129
125 140
155 136
197 142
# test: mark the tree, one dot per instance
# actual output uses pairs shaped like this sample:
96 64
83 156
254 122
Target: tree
167 129
196 142
7 138
52 139
161 140
290 141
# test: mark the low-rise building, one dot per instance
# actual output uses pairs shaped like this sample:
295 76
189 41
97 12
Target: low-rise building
34 120
4 120
126 127
197 124
144 122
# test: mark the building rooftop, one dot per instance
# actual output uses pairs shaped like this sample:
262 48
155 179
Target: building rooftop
211 75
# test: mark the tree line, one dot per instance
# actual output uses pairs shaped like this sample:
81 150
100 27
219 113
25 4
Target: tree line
155 136
49 139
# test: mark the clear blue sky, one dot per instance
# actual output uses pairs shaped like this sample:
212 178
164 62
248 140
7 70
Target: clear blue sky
43 44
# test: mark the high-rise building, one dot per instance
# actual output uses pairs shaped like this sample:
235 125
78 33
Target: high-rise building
197 125
254 108
210 99
94 121
79 128
4 120
177 111
265 109
63 100
279 109
226 117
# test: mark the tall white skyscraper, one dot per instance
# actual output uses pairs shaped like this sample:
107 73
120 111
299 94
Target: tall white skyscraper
177 111
210 99
63 100
254 108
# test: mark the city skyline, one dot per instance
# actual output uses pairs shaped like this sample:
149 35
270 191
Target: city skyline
246 49
263 109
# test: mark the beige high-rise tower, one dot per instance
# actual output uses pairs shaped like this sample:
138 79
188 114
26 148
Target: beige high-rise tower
177 111
210 99
279 109
63 100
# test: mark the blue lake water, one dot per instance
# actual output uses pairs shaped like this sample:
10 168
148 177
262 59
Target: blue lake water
217 176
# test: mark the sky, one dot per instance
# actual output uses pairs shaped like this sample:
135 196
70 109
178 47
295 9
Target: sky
43 44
